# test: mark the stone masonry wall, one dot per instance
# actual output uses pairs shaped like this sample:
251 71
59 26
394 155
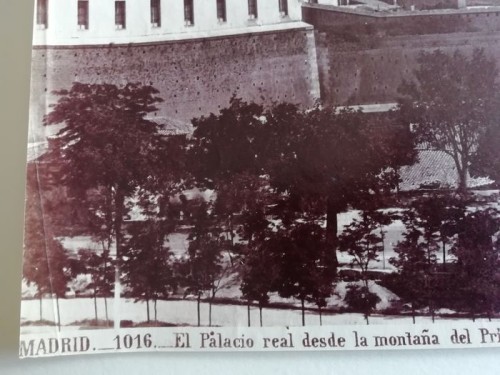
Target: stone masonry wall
194 77
393 23
353 74
364 56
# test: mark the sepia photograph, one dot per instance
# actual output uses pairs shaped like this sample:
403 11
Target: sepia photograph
253 164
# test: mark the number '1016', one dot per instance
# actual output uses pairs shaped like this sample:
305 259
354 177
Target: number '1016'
130 341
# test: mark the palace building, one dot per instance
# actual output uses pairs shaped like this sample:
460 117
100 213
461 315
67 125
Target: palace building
197 53
200 53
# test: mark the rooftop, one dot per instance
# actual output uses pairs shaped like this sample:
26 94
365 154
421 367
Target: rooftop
375 8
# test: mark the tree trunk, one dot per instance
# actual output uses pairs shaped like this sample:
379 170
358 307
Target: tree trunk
260 314
156 309
105 269
95 306
428 251
231 236
332 211
462 179
382 234
106 310
147 309
365 279
303 312
198 308
119 205
396 171
413 313
367 320
320 316
248 313
58 314
116 300
41 315
210 312
444 256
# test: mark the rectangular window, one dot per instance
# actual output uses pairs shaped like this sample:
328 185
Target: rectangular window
283 7
83 14
42 14
221 10
252 9
120 16
155 13
188 12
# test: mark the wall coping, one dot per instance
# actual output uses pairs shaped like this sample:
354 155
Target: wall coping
402 13
185 37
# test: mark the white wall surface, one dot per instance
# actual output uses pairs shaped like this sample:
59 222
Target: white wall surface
63 26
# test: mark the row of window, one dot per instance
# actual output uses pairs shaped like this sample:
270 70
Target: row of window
120 12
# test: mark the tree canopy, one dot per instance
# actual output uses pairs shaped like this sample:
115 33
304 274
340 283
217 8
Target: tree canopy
451 103
107 143
317 162
106 138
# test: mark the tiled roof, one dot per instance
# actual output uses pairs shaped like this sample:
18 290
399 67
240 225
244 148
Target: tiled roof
171 126
433 168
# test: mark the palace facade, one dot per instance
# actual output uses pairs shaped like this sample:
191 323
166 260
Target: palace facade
90 22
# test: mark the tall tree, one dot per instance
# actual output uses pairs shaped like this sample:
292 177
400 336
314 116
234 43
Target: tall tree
436 218
477 251
229 143
45 264
147 266
394 141
317 162
327 160
361 298
259 265
432 221
45 261
257 279
205 267
227 155
106 142
303 267
323 280
451 102
486 162
99 268
414 270
363 242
